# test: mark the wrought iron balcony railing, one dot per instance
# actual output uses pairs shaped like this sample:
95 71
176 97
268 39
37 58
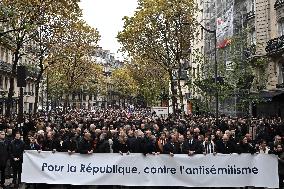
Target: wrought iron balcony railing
5 67
249 15
275 46
280 86
250 51
278 4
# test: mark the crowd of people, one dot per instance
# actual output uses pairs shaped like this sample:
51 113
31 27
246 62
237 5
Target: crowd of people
138 131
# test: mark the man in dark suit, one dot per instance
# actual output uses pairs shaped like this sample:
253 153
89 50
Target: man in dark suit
16 152
172 146
32 145
191 145
103 144
226 146
4 155
85 145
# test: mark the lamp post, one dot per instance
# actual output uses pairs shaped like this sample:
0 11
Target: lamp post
215 69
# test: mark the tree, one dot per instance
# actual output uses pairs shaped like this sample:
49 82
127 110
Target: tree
74 66
23 20
123 83
55 17
157 32
151 79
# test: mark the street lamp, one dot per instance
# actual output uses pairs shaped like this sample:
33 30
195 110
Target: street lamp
215 69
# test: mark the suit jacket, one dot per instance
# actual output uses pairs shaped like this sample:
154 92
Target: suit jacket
32 146
171 147
103 147
225 148
4 151
17 150
85 146
192 145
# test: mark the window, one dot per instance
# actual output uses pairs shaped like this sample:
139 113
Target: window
6 83
1 82
7 55
281 73
252 37
2 53
251 6
281 27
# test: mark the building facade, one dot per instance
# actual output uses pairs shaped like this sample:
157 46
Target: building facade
262 20
5 75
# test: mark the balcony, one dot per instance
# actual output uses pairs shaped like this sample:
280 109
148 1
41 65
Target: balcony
250 15
184 76
250 52
5 67
278 4
28 94
275 46
280 86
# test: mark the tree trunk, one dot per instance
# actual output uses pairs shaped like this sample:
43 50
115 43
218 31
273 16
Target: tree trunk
37 86
12 87
174 93
180 90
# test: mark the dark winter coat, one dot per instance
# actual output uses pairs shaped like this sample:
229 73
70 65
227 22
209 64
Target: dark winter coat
4 153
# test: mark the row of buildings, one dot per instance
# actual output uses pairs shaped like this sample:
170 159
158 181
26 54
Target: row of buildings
81 99
86 100
262 24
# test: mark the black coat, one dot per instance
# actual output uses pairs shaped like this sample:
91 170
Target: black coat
150 147
245 148
193 146
225 148
119 147
170 147
103 147
136 145
70 145
4 153
17 150
50 145
85 146
32 146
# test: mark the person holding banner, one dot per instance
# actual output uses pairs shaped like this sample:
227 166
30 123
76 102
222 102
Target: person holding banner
208 146
280 154
191 145
85 145
226 146
4 156
172 146
121 145
16 152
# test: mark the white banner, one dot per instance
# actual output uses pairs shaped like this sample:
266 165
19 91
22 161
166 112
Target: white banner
153 170
225 28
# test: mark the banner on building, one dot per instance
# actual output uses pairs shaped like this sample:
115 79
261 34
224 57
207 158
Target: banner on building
160 111
151 170
225 28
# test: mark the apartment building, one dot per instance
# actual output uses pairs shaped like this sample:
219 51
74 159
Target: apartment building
5 74
263 21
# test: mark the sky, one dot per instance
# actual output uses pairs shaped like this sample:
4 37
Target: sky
106 16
